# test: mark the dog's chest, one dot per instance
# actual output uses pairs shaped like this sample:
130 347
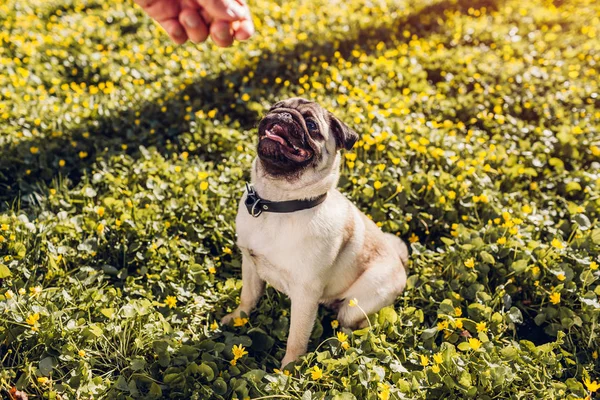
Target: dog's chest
284 249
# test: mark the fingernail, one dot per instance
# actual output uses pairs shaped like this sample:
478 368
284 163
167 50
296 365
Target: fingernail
223 35
192 21
236 11
177 31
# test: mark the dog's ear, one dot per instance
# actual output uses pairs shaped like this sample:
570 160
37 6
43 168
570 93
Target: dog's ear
345 137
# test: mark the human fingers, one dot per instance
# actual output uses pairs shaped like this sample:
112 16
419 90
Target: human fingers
195 26
221 33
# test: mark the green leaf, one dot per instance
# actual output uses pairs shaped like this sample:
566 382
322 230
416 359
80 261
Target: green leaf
583 221
138 364
46 365
255 375
220 386
487 257
387 314
155 391
344 396
465 380
464 346
307 395
519 266
429 333
4 271
108 312
514 315
596 236
207 372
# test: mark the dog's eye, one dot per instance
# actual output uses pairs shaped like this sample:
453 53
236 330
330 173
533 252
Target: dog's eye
311 125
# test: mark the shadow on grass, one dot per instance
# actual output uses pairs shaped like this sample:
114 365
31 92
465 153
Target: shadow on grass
23 174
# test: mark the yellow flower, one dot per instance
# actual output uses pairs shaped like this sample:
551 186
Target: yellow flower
233 362
413 238
4 227
9 294
595 355
452 195
83 154
33 319
593 265
459 324
212 270
526 209
557 243
81 353
554 298
435 369
501 240
22 291
591 386
437 357
238 321
384 393
42 380
316 373
342 337
227 250
474 343
34 150
100 211
353 303
335 323
561 277
214 325
100 229
424 360
481 327
345 345
284 372
238 351
470 263
377 185
34 291
457 311
442 325
171 301
245 97
204 185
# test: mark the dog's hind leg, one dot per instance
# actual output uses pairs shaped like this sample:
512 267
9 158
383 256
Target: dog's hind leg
376 288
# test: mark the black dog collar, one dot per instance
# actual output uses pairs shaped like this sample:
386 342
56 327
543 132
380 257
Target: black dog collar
257 205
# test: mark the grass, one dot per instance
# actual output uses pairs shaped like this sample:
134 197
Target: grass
123 158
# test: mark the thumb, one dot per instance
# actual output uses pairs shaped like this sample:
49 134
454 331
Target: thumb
226 10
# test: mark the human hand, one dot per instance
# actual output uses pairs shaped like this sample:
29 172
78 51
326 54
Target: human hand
223 20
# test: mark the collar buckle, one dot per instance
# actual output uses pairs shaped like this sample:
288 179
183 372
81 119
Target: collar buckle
253 202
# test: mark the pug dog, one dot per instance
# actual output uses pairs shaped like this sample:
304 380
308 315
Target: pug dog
298 233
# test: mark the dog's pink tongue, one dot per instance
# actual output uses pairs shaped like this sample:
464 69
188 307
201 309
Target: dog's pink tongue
274 133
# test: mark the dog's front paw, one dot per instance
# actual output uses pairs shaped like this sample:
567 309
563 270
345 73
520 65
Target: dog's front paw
226 320
288 358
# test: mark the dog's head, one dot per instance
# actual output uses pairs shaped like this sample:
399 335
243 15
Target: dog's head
297 134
